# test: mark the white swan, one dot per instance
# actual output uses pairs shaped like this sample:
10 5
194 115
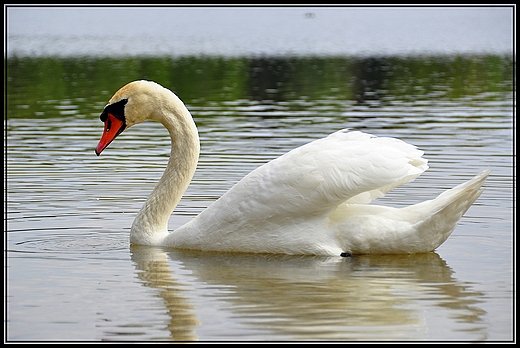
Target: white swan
312 200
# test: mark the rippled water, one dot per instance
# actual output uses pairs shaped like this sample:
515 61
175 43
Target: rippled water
72 275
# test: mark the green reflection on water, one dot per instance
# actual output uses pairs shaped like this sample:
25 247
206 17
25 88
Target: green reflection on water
36 85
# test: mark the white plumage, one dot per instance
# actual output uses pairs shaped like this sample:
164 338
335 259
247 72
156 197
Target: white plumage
312 200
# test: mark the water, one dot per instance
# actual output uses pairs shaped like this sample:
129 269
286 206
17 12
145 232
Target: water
72 275
232 31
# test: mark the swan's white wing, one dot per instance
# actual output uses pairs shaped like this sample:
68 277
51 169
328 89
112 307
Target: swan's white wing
283 205
352 167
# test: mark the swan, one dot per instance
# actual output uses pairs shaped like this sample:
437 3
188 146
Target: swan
312 200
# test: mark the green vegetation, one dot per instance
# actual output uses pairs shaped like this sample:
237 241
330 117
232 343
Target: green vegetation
35 86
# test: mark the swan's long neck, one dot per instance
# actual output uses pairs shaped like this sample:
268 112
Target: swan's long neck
151 224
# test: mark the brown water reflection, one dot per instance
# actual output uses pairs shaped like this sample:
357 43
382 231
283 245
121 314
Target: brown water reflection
154 272
314 298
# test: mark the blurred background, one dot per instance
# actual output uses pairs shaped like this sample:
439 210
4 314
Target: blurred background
361 54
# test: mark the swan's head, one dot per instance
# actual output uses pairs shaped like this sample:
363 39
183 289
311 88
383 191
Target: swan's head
132 104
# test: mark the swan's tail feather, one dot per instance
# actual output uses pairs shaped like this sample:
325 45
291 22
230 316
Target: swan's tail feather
445 211
461 197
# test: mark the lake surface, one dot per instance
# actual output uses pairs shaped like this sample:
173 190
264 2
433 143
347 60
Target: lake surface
258 30
73 276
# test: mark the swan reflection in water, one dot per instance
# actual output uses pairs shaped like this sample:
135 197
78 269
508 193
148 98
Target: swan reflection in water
372 297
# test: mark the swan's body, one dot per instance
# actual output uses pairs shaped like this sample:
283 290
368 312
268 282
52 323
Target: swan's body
312 200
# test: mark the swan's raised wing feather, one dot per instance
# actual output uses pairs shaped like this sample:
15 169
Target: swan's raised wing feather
352 167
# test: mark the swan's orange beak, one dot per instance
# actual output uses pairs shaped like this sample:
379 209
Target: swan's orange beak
113 127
